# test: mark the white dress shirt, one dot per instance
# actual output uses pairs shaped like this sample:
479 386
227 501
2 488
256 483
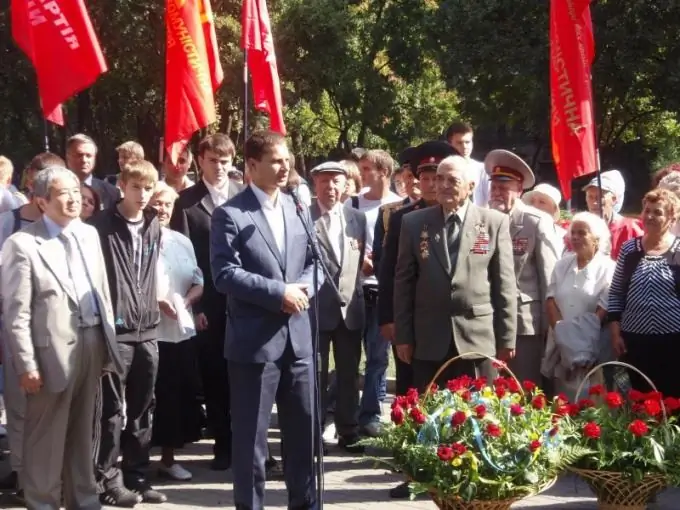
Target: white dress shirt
333 218
273 212
80 276
218 195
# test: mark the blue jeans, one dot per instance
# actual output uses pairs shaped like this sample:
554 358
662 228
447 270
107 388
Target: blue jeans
376 349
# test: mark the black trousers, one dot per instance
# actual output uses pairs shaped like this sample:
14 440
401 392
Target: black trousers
404 374
425 370
209 348
347 356
130 399
177 416
656 356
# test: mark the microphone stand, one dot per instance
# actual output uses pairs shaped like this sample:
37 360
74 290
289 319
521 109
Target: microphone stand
318 263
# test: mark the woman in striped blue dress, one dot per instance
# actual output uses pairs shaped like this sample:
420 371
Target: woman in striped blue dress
644 297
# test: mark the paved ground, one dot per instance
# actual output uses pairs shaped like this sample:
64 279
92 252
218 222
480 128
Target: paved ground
350 484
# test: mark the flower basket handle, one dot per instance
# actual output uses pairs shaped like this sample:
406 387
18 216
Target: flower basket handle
476 355
625 365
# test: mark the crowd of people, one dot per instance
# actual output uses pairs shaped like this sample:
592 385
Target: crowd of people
154 312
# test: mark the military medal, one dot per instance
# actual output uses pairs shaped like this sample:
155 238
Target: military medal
481 244
424 243
519 245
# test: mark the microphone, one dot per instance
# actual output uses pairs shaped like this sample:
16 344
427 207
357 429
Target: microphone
296 199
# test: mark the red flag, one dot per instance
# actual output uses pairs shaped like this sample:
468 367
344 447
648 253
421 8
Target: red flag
572 50
256 39
57 36
192 72
56 116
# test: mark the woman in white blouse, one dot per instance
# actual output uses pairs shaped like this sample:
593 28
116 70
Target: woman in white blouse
177 418
577 304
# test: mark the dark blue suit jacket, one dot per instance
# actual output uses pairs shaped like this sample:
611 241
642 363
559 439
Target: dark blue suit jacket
248 267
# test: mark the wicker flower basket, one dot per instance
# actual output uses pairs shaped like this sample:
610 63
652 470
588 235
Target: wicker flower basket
616 492
476 504
458 504
455 503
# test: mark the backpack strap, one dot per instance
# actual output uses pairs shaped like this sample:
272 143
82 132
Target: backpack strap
355 202
16 213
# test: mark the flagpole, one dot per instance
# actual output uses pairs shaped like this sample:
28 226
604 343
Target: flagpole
47 136
164 87
596 146
245 95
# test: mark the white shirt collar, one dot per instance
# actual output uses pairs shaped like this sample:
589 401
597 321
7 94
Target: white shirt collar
265 200
224 190
461 212
334 210
88 180
54 229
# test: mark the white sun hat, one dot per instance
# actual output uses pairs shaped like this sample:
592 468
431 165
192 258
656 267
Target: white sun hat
549 191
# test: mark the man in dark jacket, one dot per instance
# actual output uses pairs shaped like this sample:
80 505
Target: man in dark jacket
130 237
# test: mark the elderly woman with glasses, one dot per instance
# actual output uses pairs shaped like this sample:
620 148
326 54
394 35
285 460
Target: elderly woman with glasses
177 418
644 298
577 304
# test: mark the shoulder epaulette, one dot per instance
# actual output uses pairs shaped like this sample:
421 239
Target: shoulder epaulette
387 212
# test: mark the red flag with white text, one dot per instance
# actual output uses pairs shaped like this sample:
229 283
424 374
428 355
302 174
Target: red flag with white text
192 72
572 49
256 39
58 38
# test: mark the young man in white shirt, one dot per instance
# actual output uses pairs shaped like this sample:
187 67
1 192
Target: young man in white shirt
376 168
460 136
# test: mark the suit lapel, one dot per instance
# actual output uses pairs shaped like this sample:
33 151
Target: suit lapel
468 233
89 251
47 249
435 234
289 216
322 234
516 220
207 203
350 230
257 215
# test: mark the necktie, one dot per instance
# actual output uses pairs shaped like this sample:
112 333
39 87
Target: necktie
334 233
452 239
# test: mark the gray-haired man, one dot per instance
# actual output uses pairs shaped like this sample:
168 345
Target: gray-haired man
81 155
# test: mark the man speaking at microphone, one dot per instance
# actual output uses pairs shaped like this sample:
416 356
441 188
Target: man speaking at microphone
260 258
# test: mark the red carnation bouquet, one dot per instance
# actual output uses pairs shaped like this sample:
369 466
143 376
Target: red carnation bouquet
479 440
634 434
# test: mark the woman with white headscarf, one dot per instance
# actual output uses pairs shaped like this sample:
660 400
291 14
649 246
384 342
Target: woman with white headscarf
576 304
547 198
609 206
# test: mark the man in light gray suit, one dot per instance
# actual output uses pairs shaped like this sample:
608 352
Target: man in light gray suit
341 233
59 338
454 289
